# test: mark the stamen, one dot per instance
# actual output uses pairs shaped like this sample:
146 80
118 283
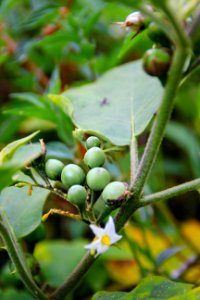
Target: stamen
105 240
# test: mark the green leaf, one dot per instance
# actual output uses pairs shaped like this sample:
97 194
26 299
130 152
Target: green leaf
59 151
15 156
109 296
187 140
24 212
191 295
107 106
22 157
55 82
6 173
55 258
26 154
157 287
7 152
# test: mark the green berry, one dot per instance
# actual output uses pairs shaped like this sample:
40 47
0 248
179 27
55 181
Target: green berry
114 191
94 157
92 141
71 175
77 195
97 179
157 35
53 168
156 62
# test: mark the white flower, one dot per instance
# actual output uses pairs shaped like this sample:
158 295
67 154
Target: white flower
104 237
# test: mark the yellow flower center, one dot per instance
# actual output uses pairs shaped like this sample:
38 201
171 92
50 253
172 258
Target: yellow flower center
105 240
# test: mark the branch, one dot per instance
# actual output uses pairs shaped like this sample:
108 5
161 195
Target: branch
18 258
155 138
171 192
157 132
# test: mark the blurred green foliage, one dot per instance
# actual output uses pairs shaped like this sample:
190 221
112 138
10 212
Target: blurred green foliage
46 47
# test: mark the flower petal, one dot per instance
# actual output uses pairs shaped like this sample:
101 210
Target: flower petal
110 227
115 238
101 249
93 245
98 231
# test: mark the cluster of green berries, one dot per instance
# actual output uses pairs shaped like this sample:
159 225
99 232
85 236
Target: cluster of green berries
78 183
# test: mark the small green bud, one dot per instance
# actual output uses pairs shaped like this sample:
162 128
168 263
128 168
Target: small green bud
78 134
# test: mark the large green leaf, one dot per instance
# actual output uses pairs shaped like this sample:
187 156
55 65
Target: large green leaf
23 211
108 107
157 287
152 288
58 258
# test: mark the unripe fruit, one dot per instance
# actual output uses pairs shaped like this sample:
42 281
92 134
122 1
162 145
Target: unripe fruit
156 62
94 157
97 179
71 175
92 141
157 35
53 168
77 195
114 191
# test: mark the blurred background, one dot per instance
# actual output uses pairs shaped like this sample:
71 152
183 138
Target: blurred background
47 47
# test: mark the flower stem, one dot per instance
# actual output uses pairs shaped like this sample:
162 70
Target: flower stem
18 258
74 278
171 192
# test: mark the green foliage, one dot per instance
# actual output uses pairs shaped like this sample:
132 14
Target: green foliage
58 258
73 69
17 155
23 211
117 91
153 287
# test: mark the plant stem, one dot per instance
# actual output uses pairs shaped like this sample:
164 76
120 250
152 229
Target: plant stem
181 37
74 278
171 192
155 138
18 258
